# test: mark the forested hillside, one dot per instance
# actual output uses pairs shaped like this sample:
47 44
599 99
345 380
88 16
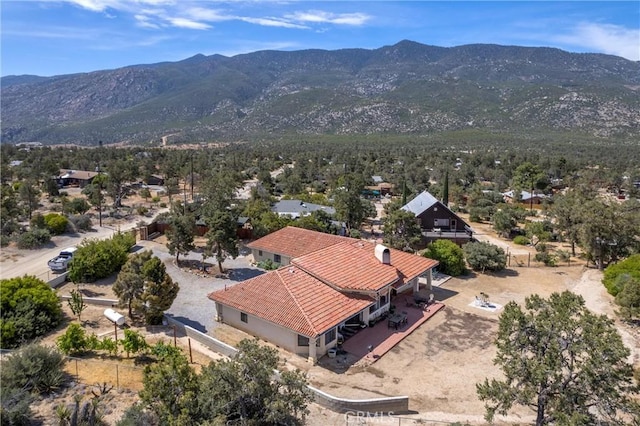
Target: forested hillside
404 89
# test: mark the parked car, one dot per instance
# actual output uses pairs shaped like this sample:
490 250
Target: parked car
60 263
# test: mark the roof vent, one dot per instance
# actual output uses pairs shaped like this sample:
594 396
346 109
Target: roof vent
383 254
291 270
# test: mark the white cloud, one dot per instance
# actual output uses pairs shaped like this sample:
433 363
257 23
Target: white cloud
156 14
188 23
208 15
319 16
272 22
145 21
606 38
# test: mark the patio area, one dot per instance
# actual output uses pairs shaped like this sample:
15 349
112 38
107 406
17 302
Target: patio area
382 337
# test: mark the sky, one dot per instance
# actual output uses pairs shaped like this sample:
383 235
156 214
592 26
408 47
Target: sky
55 37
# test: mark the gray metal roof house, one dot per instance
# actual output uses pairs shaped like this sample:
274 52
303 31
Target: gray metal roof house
437 221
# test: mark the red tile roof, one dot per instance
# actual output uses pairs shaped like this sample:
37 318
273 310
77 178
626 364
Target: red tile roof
294 242
349 265
292 299
353 265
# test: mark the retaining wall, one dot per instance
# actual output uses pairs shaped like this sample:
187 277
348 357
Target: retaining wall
95 301
213 344
394 404
58 280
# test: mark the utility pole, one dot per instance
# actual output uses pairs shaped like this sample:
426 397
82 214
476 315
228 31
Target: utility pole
99 184
192 176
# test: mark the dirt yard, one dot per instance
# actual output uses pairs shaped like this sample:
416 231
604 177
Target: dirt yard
437 366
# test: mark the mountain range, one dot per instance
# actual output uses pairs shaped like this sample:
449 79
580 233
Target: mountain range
407 88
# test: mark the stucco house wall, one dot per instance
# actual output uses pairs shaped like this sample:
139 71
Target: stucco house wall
265 330
262 255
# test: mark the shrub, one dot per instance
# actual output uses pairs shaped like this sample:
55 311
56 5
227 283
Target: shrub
163 204
81 222
34 368
629 266
73 341
34 238
29 308
142 210
563 255
133 342
78 205
137 415
628 298
268 265
521 240
37 221
56 223
450 256
97 259
484 256
108 345
545 257
4 240
15 407
355 233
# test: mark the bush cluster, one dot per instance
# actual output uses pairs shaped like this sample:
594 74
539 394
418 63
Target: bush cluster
55 223
483 256
521 240
33 369
96 259
29 308
33 239
450 256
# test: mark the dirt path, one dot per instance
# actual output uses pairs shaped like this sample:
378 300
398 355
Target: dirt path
599 301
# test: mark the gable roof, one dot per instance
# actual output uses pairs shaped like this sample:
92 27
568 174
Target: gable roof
524 195
421 203
292 299
297 208
294 242
77 174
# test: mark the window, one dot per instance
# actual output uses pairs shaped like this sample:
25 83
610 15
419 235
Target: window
330 336
244 317
303 340
277 258
260 253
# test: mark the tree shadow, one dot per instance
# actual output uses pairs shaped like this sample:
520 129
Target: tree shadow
241 274
186 321
505 273
441 294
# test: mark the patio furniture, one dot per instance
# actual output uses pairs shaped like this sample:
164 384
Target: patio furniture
397 320
419 299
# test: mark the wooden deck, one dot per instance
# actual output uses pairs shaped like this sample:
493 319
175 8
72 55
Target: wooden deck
382 338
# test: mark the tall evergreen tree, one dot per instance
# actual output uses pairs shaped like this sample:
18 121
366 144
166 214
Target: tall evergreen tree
562 361
445 190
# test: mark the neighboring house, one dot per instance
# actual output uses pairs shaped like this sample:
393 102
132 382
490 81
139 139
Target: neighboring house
156 180
437 221
244 230
327 281
379 187
80 178
298 208
525 197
